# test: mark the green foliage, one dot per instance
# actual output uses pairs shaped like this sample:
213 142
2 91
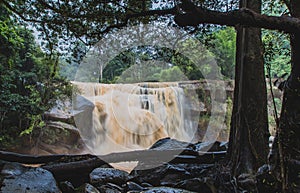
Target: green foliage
223 47
150 63
29 84
172 75
277 53
276 44
114 69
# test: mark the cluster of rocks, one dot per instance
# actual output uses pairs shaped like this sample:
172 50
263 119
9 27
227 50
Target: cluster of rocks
185 173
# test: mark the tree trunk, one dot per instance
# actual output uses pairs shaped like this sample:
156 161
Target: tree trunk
248 145
288 134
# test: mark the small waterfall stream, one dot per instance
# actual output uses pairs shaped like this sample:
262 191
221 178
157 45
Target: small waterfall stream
122 117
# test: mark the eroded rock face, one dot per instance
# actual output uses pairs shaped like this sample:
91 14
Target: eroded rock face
19 179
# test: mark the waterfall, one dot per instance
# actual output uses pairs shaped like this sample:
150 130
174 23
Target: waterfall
122 117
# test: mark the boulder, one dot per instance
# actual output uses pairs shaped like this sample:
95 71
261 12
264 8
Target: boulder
66 118
195 184
58 138
170 144
111 188
169 174
19 179
132 186
87 188
189 168
67 187
101 176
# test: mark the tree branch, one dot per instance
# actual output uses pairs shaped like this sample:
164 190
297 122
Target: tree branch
172 11
244 16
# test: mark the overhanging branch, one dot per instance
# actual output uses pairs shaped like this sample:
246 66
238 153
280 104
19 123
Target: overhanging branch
244 17
141 14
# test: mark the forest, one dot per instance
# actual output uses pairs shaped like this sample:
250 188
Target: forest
51 51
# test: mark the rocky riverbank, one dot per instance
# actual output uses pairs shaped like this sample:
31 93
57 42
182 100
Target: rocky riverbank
188 171
195 167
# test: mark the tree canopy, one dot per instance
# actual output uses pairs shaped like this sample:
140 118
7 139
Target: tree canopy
70 20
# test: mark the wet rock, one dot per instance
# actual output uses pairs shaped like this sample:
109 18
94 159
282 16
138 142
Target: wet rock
87 188
193 152
67 187
156 175
183 152
115 186
132 186
194 184
101 176
196 170
166 190
211 146
170 144
19 179
169 174
111 188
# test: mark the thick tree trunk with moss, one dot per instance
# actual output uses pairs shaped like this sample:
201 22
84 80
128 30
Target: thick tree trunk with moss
249 133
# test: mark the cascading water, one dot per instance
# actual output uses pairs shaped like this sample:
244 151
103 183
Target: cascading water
122 117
